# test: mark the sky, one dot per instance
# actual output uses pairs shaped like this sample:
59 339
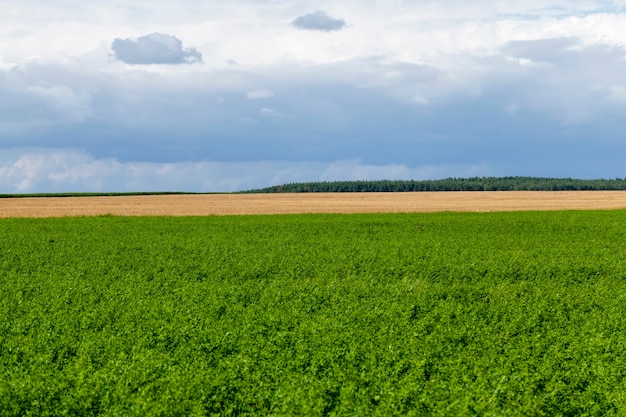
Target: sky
216 96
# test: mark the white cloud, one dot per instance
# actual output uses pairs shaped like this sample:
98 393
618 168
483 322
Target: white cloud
260 94
319 21
155 48
63 100
512 108
618 93
428 83
66 170
354 170
243 30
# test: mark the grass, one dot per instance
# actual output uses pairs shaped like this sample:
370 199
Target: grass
396 314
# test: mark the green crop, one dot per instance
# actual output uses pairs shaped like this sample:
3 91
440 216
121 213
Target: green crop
397 314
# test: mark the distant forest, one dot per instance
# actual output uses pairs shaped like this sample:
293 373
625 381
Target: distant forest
451 184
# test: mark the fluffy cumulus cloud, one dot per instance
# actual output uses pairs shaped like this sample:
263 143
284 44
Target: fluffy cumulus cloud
156 48
260 94
319 21
412 90
67 170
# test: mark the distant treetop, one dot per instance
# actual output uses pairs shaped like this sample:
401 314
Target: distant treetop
451 184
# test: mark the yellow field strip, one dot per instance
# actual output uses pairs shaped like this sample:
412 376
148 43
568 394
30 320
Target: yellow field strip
229 204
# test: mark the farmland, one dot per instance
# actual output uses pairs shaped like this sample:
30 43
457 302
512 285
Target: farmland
293 203
508 313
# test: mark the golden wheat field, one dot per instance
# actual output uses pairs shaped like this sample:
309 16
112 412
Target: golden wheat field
239 204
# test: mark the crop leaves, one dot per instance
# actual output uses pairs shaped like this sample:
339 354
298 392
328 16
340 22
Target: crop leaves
419 314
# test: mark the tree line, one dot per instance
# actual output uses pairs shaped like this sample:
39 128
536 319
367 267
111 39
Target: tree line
450 184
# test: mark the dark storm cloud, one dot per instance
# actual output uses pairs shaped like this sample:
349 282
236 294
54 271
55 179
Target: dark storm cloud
156 48
318 21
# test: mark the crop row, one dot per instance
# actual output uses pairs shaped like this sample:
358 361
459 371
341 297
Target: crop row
419 314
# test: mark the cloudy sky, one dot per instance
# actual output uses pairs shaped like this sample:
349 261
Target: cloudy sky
230 95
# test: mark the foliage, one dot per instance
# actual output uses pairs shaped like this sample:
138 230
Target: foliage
406 314
452 184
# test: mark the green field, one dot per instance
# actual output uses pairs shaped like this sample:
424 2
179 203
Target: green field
413 314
